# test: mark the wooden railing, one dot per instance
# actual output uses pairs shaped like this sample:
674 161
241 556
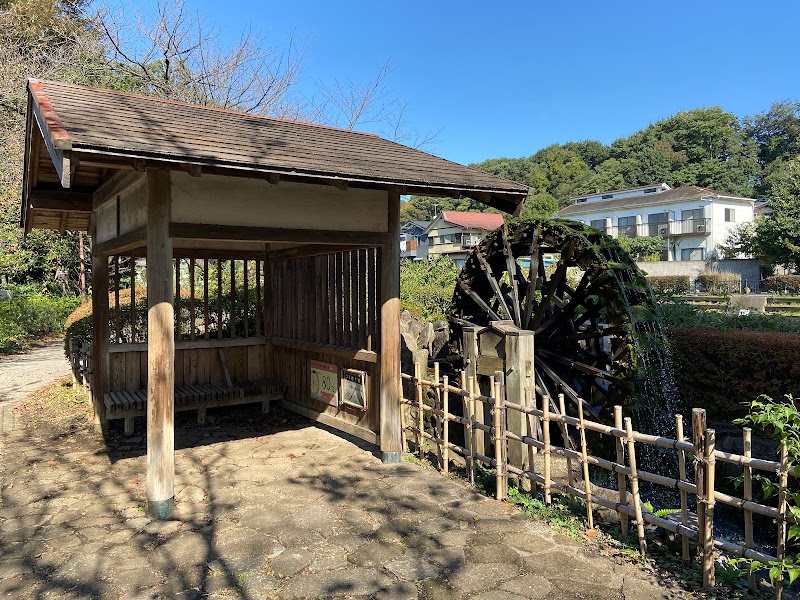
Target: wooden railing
435 397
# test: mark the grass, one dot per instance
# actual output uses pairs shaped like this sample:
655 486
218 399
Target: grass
62 404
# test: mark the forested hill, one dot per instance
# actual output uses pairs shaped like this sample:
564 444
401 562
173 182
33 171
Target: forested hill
707 147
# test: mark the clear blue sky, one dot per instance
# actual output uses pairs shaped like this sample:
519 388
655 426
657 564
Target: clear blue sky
508 78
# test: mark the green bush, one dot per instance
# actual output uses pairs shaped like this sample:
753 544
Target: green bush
679 313
782 284
669 284
720 283
28 316
426 287
722 371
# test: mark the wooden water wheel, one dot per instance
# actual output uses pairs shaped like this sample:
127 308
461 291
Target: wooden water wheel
590 307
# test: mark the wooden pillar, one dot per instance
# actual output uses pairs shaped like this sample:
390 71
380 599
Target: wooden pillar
391 446
519 375
160 349
268 318
100 333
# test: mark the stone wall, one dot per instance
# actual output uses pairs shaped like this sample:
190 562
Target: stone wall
747 268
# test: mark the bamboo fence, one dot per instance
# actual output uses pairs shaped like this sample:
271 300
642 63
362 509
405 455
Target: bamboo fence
432 404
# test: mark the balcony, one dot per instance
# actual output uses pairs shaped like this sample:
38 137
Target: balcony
664 229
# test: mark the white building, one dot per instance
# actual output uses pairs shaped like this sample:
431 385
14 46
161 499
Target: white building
692 220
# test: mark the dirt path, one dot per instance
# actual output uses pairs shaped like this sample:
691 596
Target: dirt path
20 375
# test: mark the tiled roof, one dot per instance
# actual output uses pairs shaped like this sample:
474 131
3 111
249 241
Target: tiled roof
674 195
99 121
473 220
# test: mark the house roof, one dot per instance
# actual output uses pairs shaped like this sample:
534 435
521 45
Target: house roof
674 195
86 122
663 186
418 224
473 220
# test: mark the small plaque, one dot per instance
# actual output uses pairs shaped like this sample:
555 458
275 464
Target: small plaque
354 388
325 382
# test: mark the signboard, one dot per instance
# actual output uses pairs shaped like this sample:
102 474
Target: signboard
354 388
325 382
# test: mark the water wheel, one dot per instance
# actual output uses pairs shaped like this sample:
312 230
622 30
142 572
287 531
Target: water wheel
598 339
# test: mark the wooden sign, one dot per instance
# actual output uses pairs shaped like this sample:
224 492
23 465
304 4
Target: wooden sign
354 388
325 382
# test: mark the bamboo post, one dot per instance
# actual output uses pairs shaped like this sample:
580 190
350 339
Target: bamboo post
700 469
546 436
563 410
498 391
682 477
747 451
437 394
621 483
530 403
709 576
637 502
473 469
446 424
587 485
418 389
780 549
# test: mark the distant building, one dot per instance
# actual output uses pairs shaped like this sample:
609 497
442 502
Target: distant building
454 234
692 220
414 240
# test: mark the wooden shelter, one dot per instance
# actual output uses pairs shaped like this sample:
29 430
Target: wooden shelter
307 214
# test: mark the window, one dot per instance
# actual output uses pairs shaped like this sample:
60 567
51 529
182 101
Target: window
607 196
432 240
627 226
730 215
692 253
651 190
579 200
599 224
693 221
657 224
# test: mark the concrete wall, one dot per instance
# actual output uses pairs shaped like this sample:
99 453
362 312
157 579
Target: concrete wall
747 268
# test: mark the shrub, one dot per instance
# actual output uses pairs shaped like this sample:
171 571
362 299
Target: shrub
722 371
720 283
426 287
669 284
781 284
28 316
676 312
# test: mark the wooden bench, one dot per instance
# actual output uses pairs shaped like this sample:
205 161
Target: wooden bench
199 396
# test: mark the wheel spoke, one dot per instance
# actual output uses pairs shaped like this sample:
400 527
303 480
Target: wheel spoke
487 271
552 287
511 267
479 301
533 277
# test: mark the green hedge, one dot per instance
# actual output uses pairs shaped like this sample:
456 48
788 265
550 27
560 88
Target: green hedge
669 284
723 371
25 317
781 284
720 283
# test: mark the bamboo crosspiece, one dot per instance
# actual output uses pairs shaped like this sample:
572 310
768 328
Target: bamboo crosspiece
682 477
587 485
637 501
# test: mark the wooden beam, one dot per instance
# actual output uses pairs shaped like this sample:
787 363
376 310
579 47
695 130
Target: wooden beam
160 350
125 242
56 137
114 186
351 353
100 360
60 200
312 250
273 178
62 226
277 234
390 407
339 184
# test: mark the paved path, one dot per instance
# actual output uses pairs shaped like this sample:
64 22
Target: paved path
270 507
23 373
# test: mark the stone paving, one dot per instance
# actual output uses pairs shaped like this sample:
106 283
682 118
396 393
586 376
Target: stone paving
274 507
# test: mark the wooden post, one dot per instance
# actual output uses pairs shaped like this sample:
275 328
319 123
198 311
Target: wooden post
471 402
709 576
500 442
390 337
546 436
117 307
437 394
82 258
206 314
134 334
637 502
622 486
587 485
682 477
747 451
446 424
418 397
269 316
700 467
192 300
100 333
519 375
565 434
780 548
160 349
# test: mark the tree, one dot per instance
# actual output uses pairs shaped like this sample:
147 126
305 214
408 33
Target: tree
741 242
540 206
642 248
778 234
